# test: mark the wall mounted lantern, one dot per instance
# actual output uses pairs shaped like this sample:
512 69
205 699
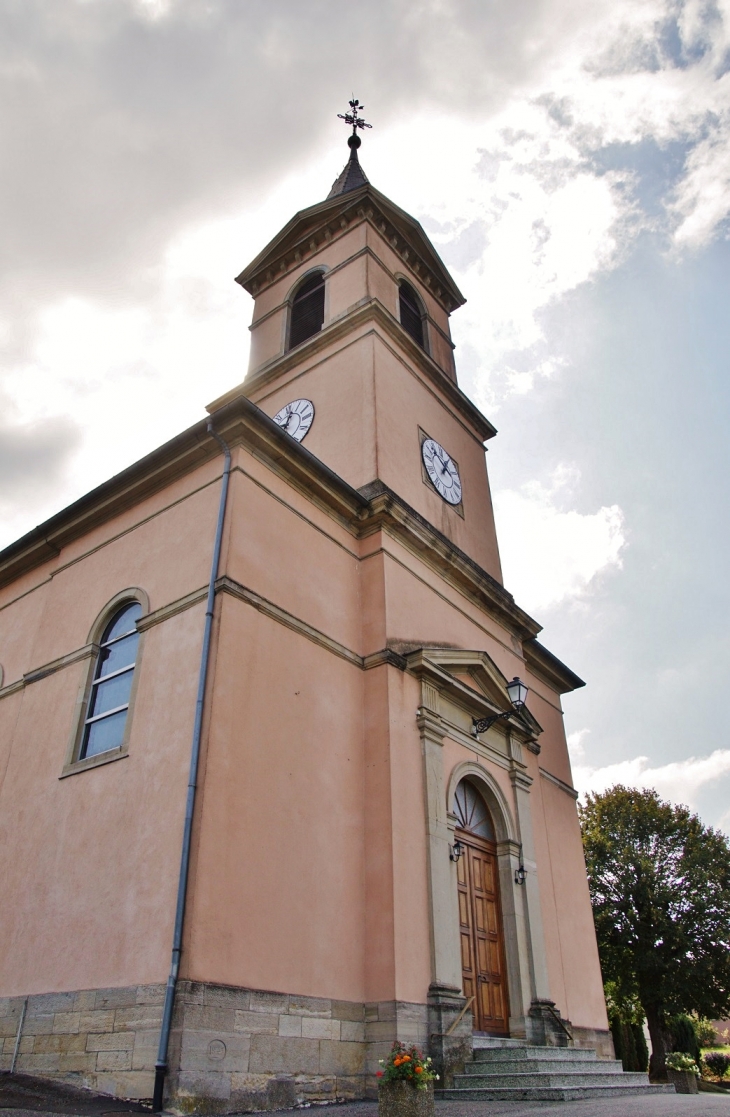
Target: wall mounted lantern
520 874
517 692
456 850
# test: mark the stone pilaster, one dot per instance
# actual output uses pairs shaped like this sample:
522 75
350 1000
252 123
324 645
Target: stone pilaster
450 1032
539 984
445 957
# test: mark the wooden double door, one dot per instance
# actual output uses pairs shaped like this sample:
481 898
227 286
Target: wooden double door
482 936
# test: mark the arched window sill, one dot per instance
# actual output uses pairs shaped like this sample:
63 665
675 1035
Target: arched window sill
93 762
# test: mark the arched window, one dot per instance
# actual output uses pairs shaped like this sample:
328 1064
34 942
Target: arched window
307 310
471 811
411 313
108 705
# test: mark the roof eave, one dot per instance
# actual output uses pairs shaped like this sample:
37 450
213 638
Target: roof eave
309 218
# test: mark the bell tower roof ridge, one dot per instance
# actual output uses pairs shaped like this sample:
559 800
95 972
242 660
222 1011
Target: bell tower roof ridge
310 229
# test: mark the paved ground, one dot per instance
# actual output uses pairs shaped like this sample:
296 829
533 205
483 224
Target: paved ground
23 1096
660 1105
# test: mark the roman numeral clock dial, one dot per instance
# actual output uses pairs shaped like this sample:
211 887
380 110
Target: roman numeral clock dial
442 471
296 418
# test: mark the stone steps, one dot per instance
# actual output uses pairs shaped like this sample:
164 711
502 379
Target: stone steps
537 1055
510 1070
545 1093
537 1078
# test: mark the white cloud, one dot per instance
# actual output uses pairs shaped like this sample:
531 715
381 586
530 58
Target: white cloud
679 781
576 748
500 161
550 554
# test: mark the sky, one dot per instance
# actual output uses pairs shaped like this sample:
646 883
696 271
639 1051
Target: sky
570 162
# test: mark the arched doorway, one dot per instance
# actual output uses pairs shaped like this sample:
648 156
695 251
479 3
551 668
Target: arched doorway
484 975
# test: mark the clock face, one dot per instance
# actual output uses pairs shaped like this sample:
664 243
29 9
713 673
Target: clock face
296 418
442 471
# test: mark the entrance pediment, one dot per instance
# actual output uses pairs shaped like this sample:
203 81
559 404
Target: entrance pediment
473 682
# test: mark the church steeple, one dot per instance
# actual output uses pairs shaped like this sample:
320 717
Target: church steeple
353 176
351 329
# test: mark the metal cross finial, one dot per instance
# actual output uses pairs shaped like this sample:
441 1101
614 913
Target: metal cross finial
352 116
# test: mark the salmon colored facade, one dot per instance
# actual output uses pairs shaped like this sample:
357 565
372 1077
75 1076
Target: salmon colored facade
360 627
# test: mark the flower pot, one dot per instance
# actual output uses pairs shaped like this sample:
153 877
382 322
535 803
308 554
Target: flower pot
684 1081
400 1099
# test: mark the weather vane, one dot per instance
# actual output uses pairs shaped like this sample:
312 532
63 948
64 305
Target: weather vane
353 118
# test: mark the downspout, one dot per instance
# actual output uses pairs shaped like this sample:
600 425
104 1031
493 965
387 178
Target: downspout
161 1064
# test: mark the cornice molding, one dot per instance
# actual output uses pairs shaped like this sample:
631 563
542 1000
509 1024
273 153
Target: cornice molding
58 664
320 225
367 311
165 612
241 422
552 670
361 253
363 513
434 666
559 783
283 616
384 656
387 509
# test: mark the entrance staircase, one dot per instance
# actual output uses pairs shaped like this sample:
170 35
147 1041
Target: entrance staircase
510 1070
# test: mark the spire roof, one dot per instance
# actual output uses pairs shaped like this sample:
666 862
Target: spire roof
310 228
352 176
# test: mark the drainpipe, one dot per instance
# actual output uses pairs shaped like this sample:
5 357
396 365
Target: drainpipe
161 1064
18 1036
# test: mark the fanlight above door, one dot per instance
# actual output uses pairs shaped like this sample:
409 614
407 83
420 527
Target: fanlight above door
471 811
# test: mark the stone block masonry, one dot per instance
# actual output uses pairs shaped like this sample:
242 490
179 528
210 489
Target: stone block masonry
231 1049
104 1039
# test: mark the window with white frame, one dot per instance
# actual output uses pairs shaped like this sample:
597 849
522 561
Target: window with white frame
108 705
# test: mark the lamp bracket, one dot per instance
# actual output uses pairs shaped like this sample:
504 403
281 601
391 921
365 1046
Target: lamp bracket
481 725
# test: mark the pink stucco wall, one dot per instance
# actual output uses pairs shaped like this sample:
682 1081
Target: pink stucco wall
310 853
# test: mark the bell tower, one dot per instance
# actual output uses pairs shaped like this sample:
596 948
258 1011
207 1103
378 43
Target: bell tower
351 351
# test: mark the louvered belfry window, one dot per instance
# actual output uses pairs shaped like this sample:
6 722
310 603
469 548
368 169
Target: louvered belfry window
411 314
307 311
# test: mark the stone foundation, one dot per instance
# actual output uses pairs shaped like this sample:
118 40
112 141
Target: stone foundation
595 1038
237 1050
104 1039
231 1049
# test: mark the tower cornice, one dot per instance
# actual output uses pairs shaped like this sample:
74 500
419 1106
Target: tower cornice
313 228
362 314
242 423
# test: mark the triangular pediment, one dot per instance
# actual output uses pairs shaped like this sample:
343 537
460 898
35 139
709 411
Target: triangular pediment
473 680
311 228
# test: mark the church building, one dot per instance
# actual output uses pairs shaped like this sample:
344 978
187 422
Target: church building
261 820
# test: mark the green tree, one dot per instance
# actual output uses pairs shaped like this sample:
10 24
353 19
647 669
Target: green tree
660 889
625 1018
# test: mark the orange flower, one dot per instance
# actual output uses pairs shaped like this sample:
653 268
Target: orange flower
406 1059
397 1062
419 1070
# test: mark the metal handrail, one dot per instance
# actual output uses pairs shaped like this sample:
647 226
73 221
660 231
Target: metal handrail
459 1018
560 1022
